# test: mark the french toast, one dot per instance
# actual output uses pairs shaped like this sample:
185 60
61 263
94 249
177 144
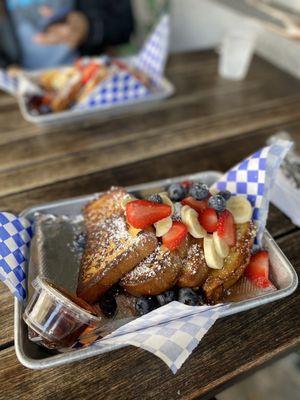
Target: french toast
194 270
154 275
111 251
219 280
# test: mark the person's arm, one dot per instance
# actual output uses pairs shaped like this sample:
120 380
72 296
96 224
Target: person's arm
110 23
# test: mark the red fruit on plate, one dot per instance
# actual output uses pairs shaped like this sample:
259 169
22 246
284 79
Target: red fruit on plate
89 72
143 213
209 219
198 205
258 269
226 228
175 236
186 184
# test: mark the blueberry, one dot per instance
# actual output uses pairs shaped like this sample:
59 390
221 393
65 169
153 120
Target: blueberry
156 198
108 304
166 297
176 192
217 202
144 305
199 191
188 296
226 194
45 109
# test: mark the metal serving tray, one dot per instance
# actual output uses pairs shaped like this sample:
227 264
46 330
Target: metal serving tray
166 89
35 357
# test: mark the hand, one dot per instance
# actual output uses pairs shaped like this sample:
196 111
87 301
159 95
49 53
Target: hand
72 32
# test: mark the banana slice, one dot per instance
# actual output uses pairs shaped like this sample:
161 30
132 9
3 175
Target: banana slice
211 257
163 226
213 190
166 200
189 217
240 208
221 247
126 199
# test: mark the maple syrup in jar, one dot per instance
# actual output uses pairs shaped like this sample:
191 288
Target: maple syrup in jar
58 317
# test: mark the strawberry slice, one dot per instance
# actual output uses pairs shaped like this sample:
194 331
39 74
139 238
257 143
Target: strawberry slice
175 236
226 228
186 184
258 269
198 205
209 219
143 213
89 72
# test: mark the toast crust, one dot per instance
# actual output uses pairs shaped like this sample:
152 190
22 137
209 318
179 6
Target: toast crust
195 270
154 275
111 251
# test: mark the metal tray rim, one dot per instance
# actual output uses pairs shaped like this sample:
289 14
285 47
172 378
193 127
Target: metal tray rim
81 354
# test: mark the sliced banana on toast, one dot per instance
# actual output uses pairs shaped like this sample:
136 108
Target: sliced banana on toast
189 217
240 208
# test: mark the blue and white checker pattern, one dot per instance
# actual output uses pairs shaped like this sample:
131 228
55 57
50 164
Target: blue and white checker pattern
254 178
117 89
8 84
153 56
171 332
15 236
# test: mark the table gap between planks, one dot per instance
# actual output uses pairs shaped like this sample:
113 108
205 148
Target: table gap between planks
210 123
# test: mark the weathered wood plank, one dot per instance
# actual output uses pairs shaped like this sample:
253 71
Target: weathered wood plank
152 143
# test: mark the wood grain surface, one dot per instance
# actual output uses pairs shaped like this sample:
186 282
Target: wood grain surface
210 123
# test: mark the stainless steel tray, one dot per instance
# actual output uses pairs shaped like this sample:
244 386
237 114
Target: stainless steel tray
166 89
35 357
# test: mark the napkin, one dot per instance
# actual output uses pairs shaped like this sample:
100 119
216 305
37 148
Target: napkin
173 331
15 236
170 332
254 178
8 83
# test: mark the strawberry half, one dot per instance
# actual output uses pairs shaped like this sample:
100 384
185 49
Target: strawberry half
209 219
198 205
175 236
258 269
226 228
89 72
186 184
143 213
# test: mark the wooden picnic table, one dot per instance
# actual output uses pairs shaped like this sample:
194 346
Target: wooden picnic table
210 124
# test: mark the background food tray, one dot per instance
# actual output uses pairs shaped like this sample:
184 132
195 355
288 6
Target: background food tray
166 89
35 357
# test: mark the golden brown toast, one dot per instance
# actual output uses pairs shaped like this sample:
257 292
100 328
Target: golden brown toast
111 251
154 275
234 265
194 270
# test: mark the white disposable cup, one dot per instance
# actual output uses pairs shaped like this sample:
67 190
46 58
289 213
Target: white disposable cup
236 52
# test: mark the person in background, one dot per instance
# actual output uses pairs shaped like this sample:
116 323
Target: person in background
36 34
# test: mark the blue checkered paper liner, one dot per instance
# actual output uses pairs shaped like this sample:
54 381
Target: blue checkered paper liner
15 236
123 87
153 56
254 178
170 332
8 84
120 88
